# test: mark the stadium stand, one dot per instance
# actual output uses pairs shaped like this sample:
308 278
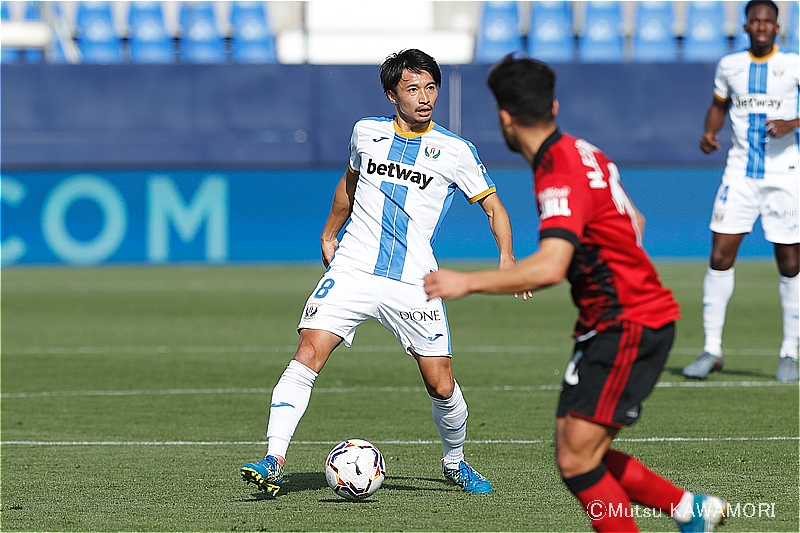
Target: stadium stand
335 31
498 32
25 35
602 40
201 41
97 37
252 40
148 39
366 31
8 54
705 38
551 36
653 37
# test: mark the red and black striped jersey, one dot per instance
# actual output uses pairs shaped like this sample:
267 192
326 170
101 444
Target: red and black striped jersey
580 199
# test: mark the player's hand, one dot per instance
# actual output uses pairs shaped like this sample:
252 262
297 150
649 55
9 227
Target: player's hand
446 284
328 249
779 128
709 143
508 263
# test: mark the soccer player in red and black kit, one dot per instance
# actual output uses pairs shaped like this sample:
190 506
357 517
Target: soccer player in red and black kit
590 233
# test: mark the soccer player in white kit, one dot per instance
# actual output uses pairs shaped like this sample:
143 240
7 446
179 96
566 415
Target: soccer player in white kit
402 176
761 178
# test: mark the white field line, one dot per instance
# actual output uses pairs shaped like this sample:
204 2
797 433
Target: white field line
148 350
371 390
381 443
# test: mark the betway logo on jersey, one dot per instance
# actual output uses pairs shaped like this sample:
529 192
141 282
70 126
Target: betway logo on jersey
759 103
554 202
400 172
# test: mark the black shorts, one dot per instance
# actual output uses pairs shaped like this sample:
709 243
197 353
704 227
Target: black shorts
611 374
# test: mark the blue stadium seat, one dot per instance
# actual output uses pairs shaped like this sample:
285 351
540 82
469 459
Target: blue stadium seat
148 37
200 39
33 10
33 13
653 39
601 40
8 55
498 32
55 54
551 38
97 38
705 38
252 38
792 33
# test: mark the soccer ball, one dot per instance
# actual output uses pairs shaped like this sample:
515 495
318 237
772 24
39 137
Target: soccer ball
355 469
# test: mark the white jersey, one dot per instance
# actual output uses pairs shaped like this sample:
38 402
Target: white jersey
405 187
760 89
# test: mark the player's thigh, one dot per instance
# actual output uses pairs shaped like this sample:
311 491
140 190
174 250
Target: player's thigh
418 324
779 209
343 299
736 205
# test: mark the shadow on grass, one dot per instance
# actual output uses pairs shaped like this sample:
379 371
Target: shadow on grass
732 373
294 482
302 481
413 483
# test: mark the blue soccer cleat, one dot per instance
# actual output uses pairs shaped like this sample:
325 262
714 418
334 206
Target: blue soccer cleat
468 479
708 512
266 474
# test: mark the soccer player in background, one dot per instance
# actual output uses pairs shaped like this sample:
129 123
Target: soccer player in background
762 178
590 233
404 171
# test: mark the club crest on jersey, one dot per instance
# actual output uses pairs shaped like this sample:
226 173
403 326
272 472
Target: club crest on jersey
310 311
432 151
554 202
778 71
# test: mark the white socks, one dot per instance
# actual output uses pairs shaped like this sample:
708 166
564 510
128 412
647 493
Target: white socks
450 417
717 291
289 401
789 290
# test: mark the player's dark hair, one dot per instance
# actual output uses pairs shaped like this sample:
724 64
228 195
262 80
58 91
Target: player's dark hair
754 3
524 87
412 59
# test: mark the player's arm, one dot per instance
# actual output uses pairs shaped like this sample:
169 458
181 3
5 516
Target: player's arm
779 128
715 119
343 199
548 266
500 225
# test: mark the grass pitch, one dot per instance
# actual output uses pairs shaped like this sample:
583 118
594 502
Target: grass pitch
131 396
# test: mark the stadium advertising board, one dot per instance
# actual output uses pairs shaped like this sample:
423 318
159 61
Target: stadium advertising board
98 217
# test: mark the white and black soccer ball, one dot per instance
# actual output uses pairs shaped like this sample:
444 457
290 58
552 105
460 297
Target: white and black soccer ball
355 469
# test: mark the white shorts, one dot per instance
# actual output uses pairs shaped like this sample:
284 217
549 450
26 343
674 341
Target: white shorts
741 200
344 298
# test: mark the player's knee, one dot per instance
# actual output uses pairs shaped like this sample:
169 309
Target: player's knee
441 390
721 260
788 264
310 355
570 463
